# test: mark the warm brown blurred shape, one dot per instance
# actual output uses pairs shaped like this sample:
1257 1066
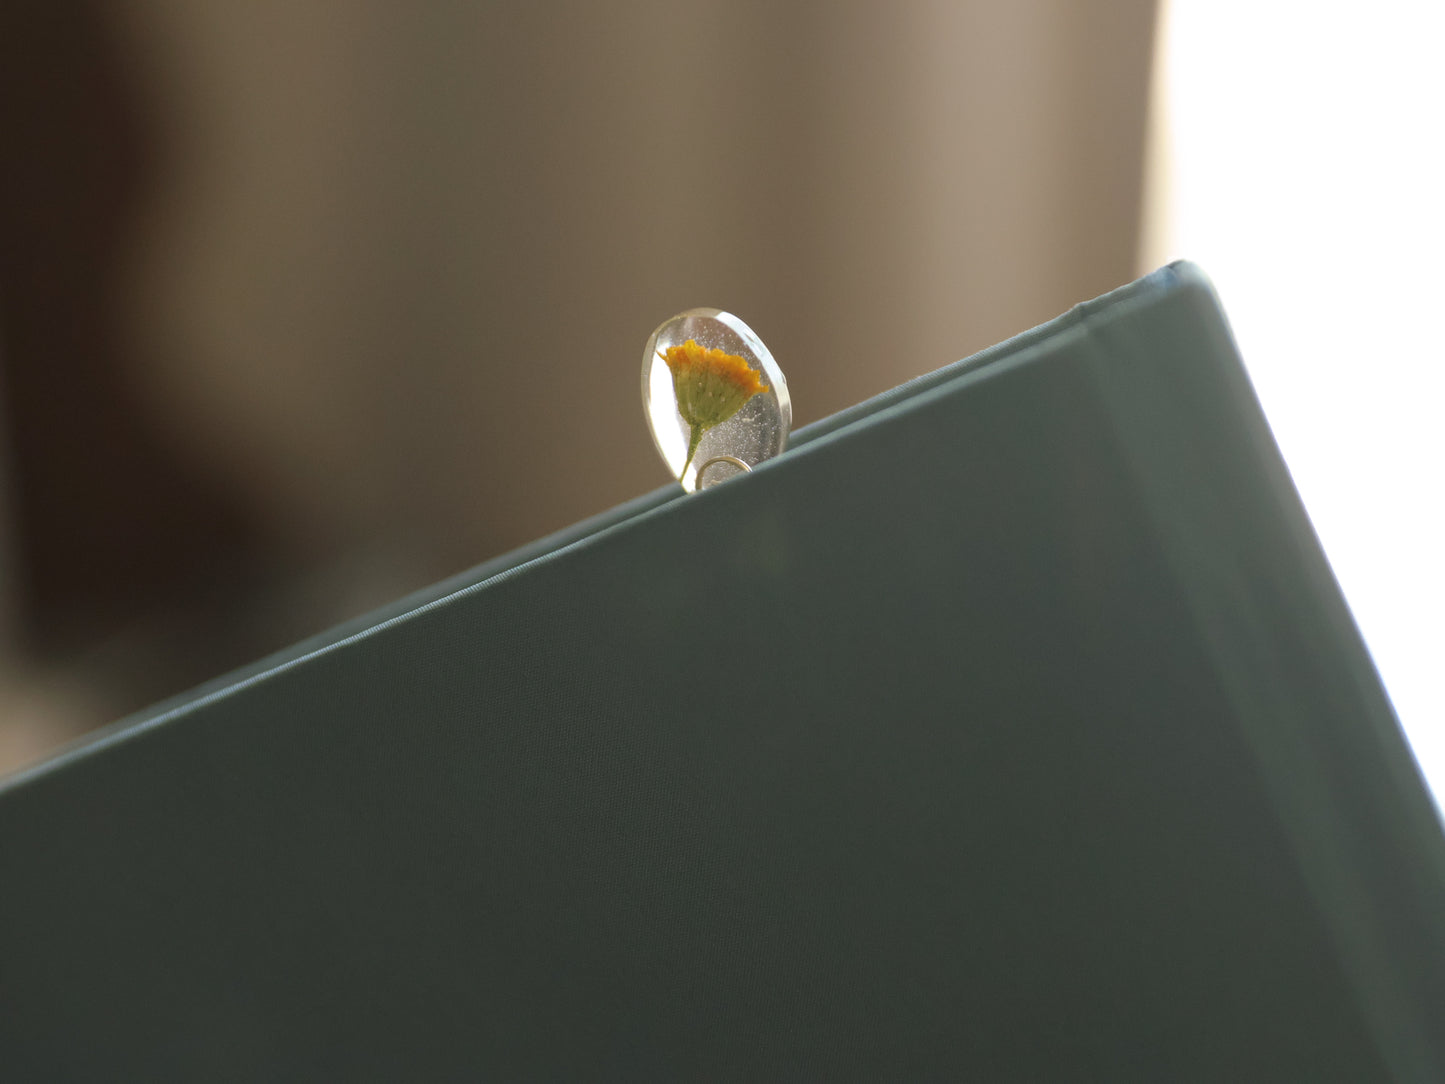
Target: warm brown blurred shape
303 305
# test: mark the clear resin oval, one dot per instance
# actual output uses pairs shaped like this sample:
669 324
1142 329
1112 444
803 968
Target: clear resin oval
712 392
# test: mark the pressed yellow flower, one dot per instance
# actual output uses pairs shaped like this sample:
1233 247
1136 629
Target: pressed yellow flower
711 386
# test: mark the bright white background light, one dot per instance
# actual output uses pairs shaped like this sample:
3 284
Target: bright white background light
1300 160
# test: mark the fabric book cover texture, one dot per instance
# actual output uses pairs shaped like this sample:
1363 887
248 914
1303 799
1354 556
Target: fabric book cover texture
1008 726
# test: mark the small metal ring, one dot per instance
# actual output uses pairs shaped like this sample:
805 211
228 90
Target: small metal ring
734 460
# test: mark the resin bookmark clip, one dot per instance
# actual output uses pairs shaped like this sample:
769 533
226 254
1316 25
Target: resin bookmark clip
715 399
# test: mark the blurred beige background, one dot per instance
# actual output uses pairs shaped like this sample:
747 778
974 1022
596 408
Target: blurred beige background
305 305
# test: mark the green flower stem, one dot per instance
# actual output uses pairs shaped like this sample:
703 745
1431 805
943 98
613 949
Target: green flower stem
697 432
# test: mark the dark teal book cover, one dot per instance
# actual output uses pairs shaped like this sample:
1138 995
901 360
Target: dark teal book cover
1007 727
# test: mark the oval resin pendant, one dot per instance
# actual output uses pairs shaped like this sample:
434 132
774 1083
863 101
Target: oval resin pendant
712 392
